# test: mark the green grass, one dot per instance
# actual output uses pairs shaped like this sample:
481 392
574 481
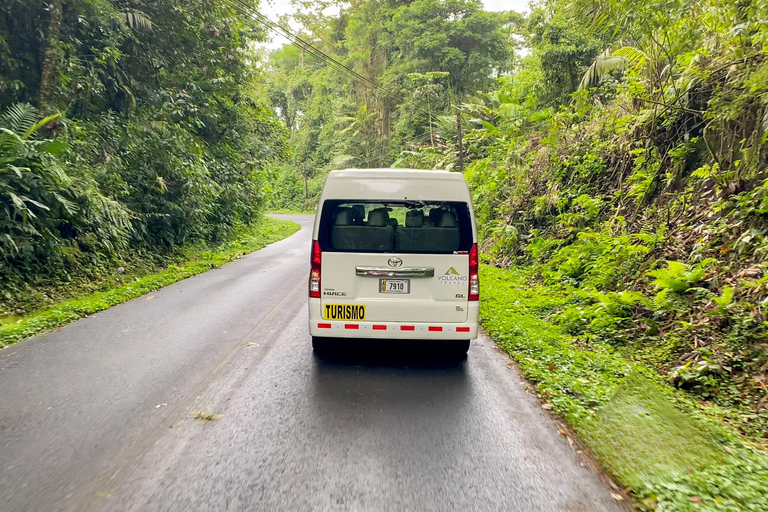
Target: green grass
638 413
193 261
644 433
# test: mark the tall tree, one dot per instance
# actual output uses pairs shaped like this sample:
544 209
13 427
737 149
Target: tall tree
417 58
47 84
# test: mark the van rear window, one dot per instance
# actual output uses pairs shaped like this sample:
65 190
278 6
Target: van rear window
403 227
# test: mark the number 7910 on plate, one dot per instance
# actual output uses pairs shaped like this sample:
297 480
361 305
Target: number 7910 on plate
394 285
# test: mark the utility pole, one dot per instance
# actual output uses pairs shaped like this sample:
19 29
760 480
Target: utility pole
461 141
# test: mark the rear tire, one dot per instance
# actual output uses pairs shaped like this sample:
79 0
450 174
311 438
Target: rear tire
322 345
457 349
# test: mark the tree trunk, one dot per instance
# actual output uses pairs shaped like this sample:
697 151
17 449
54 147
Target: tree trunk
460 136
49 61
431 135
387 103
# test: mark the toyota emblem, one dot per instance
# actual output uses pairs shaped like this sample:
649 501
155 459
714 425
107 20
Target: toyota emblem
395 262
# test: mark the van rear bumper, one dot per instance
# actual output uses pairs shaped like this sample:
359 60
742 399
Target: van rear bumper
393 330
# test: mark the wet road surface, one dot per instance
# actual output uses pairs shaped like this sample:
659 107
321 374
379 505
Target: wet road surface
100 415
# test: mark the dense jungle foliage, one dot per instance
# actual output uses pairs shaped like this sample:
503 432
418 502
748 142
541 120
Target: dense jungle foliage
617 148
642 195
415 61
129 128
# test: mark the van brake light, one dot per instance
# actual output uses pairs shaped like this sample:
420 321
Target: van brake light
474 275
316 261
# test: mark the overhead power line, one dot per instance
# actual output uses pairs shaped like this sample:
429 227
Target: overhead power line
311 49
302 43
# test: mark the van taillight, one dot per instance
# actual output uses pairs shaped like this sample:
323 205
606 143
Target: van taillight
314 274
474 274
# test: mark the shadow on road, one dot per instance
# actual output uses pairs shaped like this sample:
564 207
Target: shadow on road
371 377
391 354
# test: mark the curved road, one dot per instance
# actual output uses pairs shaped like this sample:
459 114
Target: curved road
100 415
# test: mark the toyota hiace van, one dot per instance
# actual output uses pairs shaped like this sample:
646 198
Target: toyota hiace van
394 256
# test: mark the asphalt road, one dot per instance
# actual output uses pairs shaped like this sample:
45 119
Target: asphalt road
99 415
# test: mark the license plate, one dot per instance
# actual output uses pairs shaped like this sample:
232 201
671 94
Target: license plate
344 312
395 285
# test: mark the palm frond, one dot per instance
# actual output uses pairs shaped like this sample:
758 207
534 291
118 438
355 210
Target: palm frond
137 20
636 58
38 125
511 111
69 206
342 160
58 173
9 241
605 63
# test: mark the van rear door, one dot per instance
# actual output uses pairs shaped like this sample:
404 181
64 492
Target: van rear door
403 261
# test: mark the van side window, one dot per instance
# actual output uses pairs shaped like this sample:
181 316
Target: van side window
408 227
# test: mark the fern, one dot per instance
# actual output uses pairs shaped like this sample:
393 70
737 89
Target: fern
9 140
19 123
724 300
679 277
19 118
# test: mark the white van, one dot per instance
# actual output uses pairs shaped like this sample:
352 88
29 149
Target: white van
394 256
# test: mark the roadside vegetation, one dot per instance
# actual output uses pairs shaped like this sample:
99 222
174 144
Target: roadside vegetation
629 185
671 451
67 302
130 131
289 211
639 196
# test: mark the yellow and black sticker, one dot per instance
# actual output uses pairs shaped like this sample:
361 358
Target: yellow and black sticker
344 312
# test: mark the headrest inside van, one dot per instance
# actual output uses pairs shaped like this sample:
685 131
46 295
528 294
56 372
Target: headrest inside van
343 217
414 219
378 217
447 220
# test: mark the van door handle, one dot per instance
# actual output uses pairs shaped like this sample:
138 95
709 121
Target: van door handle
395 272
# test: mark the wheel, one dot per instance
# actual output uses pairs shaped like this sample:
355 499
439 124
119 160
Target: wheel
457 349
322 345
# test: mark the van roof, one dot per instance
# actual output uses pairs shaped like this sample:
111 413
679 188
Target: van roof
395 184
393 173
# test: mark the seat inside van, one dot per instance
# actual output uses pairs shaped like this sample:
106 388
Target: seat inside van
350 233
437 232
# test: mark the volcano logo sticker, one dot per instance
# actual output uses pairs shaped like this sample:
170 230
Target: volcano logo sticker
452 277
